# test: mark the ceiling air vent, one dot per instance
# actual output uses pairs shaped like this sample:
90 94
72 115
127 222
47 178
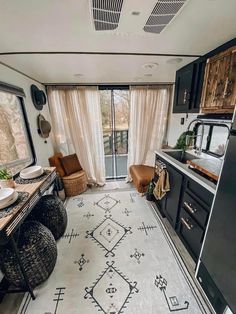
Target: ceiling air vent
162 14
106 14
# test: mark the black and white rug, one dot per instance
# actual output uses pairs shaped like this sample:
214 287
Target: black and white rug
114 258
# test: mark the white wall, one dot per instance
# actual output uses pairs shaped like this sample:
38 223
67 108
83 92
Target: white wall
43 151
175 129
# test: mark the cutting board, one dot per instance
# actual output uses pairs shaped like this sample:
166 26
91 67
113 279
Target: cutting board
210 167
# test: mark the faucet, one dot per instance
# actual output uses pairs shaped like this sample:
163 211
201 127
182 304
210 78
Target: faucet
198 150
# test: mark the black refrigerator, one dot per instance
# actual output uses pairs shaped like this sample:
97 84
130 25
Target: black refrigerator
217 270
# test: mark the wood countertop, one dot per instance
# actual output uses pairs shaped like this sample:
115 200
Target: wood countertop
32 189
209 167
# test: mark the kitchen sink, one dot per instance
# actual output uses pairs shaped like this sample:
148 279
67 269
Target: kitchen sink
181 156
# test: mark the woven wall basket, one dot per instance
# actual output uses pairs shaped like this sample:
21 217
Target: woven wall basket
38 252
51 212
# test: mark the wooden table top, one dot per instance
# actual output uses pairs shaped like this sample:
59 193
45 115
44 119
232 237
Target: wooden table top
31 188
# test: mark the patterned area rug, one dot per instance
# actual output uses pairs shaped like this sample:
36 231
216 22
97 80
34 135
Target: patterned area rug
114 258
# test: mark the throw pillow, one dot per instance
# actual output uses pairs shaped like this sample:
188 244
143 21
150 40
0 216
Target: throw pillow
70 164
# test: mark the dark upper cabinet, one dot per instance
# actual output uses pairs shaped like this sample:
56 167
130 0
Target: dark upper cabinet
188 87
183 86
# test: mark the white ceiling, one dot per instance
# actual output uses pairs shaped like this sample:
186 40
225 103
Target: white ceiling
95 69
66 25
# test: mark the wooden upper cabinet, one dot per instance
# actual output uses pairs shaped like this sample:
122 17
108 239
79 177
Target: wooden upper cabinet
219 88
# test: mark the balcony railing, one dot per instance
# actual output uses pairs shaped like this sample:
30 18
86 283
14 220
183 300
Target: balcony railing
120 142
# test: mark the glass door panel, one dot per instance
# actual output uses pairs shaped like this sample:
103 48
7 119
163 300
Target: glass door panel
115 121
121 127
107 124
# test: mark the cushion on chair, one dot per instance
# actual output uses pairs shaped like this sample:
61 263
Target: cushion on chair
54 161
141 175
70 164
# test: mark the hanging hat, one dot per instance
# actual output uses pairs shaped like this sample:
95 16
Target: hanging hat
44 127
38 97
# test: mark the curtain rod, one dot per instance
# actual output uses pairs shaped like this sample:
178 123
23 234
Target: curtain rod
108 84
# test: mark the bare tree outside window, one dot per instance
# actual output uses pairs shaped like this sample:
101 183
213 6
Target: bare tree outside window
15 152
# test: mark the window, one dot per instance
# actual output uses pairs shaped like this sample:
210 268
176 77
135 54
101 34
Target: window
16 150
214 138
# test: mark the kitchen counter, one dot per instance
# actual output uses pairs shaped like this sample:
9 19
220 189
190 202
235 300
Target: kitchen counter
184 168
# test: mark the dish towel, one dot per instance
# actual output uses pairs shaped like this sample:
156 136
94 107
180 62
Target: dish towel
162 185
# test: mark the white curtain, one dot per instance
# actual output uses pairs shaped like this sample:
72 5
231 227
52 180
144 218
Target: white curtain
77 127
148 122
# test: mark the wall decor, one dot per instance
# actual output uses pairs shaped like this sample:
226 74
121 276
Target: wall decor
38 97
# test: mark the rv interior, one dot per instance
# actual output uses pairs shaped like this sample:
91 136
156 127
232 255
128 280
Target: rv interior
117 156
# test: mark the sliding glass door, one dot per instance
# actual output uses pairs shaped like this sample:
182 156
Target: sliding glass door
115 119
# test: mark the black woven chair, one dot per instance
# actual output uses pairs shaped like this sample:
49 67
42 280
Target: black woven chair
38 252
51 212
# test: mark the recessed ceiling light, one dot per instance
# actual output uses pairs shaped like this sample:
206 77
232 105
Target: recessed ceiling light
150 65
135 13
78 75
174 60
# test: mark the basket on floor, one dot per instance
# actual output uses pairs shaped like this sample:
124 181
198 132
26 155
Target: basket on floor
38 252
75 183
51 212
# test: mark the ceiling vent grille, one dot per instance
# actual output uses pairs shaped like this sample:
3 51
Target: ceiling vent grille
162 14
106 14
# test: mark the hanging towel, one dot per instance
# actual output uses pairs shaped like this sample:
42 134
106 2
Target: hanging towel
162 185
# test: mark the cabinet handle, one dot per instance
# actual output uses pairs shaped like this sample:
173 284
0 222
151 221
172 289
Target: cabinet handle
185 96
189 226
189 208
226 88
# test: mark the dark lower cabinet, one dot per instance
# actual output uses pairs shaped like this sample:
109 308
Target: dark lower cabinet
214 295
187 207
191 233
195 209
169 205
171 208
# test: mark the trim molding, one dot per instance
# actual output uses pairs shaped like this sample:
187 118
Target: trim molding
20 72
10 53
107 85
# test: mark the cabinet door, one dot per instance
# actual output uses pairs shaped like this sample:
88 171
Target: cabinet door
198 78
208 102
183 87
218 91
173 196
191 234
229 93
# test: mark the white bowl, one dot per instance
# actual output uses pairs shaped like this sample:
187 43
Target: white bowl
6 195
31 172
12 201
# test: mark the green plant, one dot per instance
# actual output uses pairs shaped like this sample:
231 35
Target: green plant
181 142
151 187
5 174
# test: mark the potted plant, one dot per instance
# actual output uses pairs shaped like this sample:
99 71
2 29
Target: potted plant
6 180
149 194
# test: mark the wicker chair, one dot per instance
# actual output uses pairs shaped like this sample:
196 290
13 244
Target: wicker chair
51 212
75 183
38 252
